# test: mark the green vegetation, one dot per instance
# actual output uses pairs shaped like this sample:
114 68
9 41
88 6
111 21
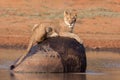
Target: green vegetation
53 14
93 12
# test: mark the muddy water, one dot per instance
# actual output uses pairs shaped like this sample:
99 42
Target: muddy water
101 65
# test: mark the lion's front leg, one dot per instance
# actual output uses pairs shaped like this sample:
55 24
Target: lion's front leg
71 35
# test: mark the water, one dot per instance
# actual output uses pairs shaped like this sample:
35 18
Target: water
101 65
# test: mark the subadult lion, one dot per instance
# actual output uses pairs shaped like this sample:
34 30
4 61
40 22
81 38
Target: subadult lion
70 17
39 33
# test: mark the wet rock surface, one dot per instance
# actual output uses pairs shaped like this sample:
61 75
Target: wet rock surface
58 54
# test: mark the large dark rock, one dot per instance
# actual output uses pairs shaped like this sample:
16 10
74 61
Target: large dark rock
58 54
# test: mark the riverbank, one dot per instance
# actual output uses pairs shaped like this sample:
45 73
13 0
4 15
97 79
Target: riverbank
97 23
21 42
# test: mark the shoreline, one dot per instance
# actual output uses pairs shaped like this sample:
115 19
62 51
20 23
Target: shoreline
90 44
21 47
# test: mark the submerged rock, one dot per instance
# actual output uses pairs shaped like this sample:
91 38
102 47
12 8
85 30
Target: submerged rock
58 54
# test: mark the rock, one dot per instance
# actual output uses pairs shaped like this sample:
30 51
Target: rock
57 54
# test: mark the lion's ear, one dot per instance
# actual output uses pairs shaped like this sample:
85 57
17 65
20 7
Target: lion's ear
66 12
75 12
34 27
48 29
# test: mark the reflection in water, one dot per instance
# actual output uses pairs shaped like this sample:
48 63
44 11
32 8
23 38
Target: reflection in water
101 65
47 76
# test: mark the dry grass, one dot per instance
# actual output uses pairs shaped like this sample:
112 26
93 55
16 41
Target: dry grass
97 20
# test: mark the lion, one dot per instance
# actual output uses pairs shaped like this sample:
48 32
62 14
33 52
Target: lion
70 17
39 33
